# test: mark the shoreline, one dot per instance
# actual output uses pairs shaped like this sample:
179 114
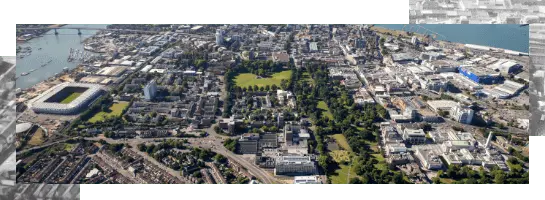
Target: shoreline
21 41
42 85
57 71
420 36
57 25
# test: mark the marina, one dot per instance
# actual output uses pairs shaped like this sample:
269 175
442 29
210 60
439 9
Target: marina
35 65
23 52
79 55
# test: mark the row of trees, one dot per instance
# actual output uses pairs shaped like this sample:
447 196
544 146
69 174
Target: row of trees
167 144
466 175
365 167
259 67
231 144
381 43
90 112
307 99
164 150
355 122
239 90
228 103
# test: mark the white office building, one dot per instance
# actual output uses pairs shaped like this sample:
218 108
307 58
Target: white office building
462 114
150 90
414 136
219 37
414 40
294 165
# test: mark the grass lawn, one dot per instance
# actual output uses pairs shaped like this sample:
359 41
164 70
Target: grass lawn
378 156
342 176
71 97
340 156
446 180
341 141
245 80
115 111
69 147
381 162
325 109
37 138
373 145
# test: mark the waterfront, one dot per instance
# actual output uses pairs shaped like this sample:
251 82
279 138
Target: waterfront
50 47
507 36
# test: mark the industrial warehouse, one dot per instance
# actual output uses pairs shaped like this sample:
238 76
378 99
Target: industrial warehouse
66 98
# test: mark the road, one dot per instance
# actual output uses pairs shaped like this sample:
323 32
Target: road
212 142
253 169
160 165
261 174
206 176
43 146
216 173
106 159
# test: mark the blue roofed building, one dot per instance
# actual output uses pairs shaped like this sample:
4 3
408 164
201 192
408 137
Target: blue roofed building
480 74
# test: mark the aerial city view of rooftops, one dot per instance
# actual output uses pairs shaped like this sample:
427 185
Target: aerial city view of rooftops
272 104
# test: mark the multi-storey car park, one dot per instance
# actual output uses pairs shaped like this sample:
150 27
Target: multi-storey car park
66 98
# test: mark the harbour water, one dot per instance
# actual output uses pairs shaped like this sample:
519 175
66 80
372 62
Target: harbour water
52 52
506 36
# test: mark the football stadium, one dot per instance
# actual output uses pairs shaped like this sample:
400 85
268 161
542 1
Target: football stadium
66 98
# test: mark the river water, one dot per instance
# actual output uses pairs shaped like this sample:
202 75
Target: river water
53 47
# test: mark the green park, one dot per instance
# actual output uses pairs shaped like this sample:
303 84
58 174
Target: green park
245 80
114 110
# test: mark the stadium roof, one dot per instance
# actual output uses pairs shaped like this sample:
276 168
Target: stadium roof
39 103
19 128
